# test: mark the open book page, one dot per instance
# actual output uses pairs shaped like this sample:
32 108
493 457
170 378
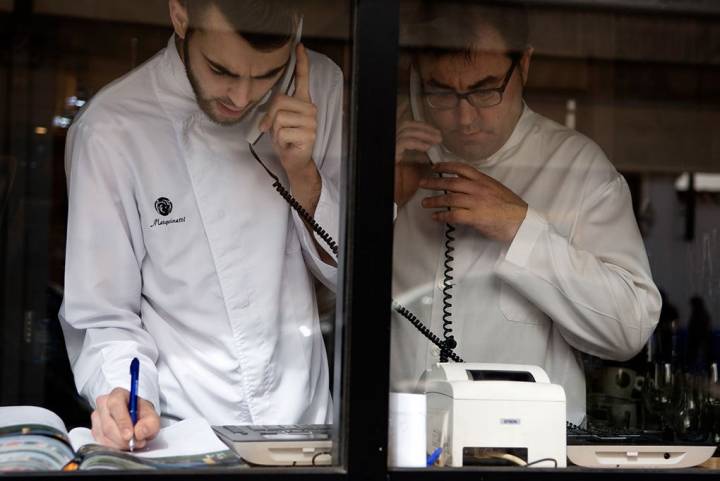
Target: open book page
23 415
184 438
30 452
35 439
32 439
190 443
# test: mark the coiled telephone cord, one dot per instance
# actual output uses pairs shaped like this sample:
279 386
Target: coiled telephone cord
444 348
447 346
447 293
305 215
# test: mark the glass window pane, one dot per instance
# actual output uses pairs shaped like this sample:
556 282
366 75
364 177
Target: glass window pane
557 227
170 192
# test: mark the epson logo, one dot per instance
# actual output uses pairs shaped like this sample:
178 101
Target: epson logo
510 421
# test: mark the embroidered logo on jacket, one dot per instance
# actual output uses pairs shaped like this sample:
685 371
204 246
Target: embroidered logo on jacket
163 206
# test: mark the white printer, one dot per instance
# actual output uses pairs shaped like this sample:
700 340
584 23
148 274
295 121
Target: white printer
479 412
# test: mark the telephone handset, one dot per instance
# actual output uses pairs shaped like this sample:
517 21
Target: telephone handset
435 155
286 85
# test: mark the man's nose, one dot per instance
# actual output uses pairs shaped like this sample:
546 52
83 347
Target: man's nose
467 114
239 93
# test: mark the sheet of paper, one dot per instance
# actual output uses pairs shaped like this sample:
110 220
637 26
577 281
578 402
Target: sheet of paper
16 415
187 437
80 437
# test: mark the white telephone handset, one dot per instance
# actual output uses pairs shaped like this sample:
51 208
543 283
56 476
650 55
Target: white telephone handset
285 85
434 153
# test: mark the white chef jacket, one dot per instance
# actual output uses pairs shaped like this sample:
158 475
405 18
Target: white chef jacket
214 297
575 278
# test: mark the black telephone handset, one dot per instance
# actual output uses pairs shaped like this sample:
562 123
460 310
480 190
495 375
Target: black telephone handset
435 156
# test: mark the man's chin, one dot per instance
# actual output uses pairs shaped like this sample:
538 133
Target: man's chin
223 116
224 120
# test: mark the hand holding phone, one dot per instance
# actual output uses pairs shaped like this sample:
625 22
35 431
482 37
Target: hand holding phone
413 142
433 152
292 121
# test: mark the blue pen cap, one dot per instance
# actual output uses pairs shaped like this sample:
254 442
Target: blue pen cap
135 367
134 375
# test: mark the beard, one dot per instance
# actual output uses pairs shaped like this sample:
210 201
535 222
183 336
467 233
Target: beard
204 102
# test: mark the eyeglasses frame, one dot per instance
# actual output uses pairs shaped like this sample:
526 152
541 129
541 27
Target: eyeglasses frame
466 95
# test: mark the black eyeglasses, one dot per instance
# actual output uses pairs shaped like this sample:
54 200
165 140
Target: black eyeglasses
449 99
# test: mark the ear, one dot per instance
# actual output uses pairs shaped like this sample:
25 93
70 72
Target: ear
525 63
179 17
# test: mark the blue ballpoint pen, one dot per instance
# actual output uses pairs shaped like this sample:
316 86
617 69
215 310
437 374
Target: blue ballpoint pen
434 456
132 407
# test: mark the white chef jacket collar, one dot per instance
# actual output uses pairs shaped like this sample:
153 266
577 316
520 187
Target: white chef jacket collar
174 89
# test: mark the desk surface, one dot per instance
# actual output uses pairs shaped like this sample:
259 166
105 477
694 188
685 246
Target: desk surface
712 463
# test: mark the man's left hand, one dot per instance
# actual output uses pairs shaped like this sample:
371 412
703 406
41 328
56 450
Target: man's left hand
476 200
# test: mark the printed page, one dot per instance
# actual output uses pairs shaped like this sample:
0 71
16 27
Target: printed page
187 437
18 415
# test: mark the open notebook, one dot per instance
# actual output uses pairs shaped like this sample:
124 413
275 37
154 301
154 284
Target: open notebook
35 439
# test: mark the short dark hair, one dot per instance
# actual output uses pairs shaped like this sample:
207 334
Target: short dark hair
434 29
265 24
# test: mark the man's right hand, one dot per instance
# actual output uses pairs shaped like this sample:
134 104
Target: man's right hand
111 423
412 142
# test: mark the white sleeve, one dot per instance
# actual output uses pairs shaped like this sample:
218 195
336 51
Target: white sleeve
328 157
100 315
597 288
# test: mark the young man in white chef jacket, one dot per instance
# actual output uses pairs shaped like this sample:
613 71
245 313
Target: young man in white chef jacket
180 252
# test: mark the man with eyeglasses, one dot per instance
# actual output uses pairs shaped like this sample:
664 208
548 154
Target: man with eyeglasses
545 259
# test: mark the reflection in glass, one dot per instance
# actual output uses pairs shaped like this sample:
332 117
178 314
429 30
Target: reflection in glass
576 147
519 229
